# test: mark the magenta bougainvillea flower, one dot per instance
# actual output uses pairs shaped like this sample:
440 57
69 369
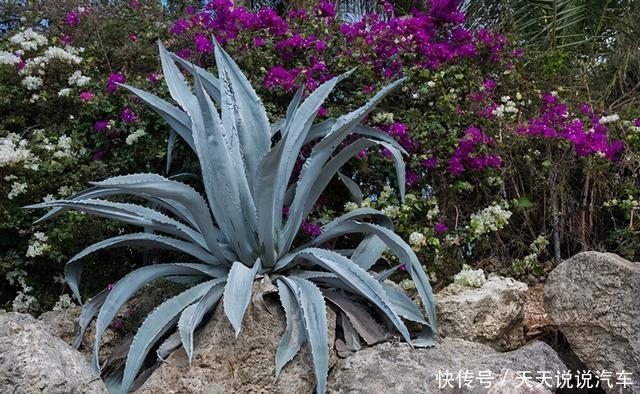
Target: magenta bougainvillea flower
113 80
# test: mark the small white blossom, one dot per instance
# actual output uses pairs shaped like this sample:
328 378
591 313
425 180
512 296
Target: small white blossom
417 239
32 83
8 58
17 188
135 136
490 219
350 206
77 79
13 150
609 118
383 118
29 39
64 92
470 277
63 55
392 211
64 302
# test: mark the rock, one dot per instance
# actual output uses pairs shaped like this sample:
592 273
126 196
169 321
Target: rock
491 314
536 319
64 325
594 299
34 361
396 368
224 364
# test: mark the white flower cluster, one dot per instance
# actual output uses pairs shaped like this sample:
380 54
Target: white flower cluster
609 118
17 188
23 302
31 82
507 107
13 150
135 136
34 67
393 211
67 55
29 39
64 302
469 277
8 58
490 219
417 240
38 246
351 206
383 118
63 148
77 79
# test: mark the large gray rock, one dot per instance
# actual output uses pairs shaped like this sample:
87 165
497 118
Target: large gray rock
34 361
224 364
491 314
594 299
396 368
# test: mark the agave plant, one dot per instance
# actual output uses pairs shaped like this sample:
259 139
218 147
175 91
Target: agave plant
238 233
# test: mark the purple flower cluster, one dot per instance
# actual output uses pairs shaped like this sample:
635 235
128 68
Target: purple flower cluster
467 156
113 80
583 131
309 46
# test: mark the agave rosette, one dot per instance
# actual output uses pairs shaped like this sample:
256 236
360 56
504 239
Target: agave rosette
238 234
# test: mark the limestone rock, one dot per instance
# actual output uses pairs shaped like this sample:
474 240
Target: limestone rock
34 361
491 314
224 364
64 325
594 299
396 368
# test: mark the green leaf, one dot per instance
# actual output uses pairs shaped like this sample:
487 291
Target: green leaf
524 202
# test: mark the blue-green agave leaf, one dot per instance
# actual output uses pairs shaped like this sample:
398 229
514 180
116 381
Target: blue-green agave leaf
400 249
251 122
352 186
154 327
237 292
177 119
368 252
178 87
358 279
221 179
73 268
181 197
129 285
403 305
210 83
293 336
314 319
192 315
276 168
87 314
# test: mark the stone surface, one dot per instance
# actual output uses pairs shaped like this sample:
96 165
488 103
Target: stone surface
594 299
34 361
536 319
491 314
396 368
64 325
224 364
